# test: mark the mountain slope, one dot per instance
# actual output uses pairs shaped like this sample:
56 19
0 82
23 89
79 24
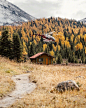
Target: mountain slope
83 20
10 13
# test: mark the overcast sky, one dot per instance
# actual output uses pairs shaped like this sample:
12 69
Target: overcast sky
71 9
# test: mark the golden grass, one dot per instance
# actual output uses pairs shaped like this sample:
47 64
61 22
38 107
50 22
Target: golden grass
7 70
6 86
47 77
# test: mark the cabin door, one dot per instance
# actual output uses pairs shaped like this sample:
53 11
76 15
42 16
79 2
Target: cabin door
46 61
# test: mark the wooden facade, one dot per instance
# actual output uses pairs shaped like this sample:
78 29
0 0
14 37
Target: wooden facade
42 58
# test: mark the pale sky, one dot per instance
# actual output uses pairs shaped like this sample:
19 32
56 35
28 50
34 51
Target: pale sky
71 9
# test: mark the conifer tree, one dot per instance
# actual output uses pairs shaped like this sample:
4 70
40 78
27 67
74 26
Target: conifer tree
32 49
17 47
73 59
70 58
59 60
83 57
6 45
85 60
76 60
28 47
39 47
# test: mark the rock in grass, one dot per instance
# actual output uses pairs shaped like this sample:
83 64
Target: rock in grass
67 85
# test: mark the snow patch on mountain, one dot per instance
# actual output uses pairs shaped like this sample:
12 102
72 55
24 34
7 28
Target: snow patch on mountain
9 13
83 20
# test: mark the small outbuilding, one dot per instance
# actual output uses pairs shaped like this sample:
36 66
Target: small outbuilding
42 58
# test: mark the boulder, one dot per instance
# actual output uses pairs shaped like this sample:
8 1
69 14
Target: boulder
67 85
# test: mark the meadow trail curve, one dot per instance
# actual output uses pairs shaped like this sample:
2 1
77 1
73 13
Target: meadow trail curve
23 86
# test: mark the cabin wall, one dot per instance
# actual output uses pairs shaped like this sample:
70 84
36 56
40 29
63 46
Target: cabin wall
33 60
43 59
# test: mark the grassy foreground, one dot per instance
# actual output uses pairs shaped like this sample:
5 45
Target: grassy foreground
7 70
46 78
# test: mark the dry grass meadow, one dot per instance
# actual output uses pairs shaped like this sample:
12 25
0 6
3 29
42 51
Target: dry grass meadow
46 78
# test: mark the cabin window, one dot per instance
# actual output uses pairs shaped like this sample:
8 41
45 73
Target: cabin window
40 59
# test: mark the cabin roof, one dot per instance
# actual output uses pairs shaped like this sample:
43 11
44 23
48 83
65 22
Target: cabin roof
39 54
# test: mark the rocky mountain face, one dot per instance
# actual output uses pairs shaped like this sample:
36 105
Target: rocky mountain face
83 20
11 14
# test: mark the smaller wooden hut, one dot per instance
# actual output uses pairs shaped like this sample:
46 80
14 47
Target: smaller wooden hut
42 58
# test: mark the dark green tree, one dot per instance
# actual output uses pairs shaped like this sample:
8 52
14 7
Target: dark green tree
59 60
77 53
83 57
17 47
6 45
73 59
85 60
32 49
28 47
70 58
65 34
39 47
76 60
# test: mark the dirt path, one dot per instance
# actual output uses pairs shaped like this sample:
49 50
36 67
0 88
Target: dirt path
22 87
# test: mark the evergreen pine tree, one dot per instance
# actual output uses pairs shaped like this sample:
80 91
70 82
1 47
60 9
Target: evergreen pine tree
83 58
50 46
73 59
32 49
39 47
6 46
76 60
65 34
59 60
70 58
17 47
28 47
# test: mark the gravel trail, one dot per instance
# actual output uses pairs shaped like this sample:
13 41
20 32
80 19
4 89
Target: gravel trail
23 86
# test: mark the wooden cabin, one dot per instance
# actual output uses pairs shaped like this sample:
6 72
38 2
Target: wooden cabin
42 58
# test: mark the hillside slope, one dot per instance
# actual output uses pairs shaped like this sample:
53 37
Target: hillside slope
70 38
